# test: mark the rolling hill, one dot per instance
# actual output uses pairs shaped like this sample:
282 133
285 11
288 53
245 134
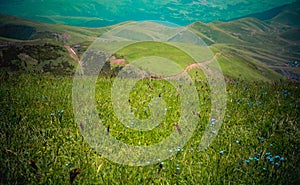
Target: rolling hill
252 49
271 41
22 29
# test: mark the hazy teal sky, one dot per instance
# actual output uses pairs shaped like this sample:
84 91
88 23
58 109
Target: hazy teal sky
105 12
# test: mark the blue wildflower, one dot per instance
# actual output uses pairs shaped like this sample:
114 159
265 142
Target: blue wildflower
247 161
261 139
264 169
258 155
239 102
177 169
277 157
26 154
68 164
285 92
221 152
250 103
237 142
277 164
282 158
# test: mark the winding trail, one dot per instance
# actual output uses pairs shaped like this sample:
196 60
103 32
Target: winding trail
201 64
73 54
193 66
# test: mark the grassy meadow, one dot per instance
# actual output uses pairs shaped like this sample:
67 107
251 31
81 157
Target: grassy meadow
258 142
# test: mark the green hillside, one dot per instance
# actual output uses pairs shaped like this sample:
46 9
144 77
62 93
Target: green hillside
62 123
211 34
40 56
289 15
272 44
40 47
262 49
233 65
22 29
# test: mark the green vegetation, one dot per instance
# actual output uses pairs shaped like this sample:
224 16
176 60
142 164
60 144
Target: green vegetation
37 56
232 65
239 64
269 44
138 50
258 143
17 28
42 144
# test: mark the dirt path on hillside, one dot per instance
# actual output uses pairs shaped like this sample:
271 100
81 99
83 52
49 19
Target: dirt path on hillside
193 66
73 54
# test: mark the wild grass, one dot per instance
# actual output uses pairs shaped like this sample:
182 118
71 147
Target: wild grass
41 143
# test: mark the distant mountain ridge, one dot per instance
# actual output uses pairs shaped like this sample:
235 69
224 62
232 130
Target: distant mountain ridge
287 14
253 43
95 13
265 15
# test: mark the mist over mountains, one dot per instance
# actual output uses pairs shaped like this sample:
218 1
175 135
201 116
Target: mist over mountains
95 13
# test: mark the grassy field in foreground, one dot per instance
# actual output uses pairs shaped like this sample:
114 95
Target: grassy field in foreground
41 143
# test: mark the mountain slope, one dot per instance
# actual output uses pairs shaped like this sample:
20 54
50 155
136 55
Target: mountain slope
273 43
264 49
22 29
287 14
